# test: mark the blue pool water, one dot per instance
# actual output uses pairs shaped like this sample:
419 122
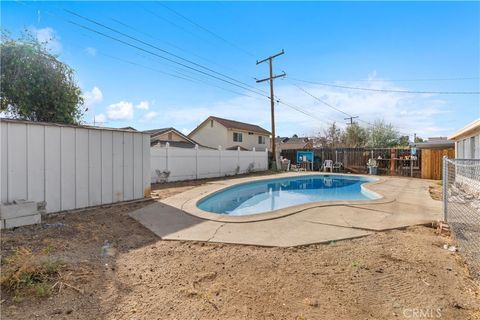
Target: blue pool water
267 195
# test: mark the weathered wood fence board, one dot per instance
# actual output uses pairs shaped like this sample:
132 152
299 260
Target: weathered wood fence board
390 161
432 164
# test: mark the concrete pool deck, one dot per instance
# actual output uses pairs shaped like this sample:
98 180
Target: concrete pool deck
405 202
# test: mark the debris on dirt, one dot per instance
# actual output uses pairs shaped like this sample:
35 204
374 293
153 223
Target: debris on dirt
450 248
443 229
107 250
185 280
311 302
54 225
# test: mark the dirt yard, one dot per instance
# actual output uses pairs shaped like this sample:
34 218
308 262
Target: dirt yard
400 274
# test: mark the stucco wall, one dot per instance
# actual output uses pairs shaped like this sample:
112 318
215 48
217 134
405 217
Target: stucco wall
218 135
249 141
211 136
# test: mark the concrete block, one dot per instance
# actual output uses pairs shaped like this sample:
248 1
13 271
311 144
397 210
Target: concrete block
22 221
19 209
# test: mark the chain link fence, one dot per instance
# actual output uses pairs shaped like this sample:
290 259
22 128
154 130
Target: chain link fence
461 197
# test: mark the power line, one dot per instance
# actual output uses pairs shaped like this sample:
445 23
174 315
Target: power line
181 76
401 80
176 25
299 109
207 30
160 56
386 90
325 103
166 42
154 47
350 117
186 66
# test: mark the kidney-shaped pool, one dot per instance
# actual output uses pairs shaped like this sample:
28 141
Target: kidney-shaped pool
273 194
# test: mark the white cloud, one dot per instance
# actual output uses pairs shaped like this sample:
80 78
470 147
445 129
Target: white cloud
91 51
143 105
150 116
49 37
93 97
410 113
120 111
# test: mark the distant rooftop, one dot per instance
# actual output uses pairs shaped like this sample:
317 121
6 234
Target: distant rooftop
232 124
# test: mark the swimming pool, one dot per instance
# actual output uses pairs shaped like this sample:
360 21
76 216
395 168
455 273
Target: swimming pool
273 194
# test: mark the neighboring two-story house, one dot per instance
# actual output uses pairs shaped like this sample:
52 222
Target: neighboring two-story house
230 134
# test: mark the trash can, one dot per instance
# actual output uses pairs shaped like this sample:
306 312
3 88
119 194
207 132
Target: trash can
372 170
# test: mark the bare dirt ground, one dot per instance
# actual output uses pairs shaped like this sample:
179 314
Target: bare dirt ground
400 274
436 190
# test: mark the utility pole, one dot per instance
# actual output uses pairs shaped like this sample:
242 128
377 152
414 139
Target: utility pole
351 119
272 98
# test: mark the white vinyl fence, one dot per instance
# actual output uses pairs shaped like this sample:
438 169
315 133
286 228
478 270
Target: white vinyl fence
176 164
72 167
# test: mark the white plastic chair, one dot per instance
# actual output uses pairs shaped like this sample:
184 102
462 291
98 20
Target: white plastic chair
328 164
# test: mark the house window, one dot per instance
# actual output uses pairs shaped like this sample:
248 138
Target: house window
261 140
237 137
460 149
472 148
211 123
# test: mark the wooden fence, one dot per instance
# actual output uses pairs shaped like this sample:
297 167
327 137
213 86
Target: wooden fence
424 163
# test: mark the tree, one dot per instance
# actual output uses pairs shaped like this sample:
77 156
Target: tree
383 135
355 136
418 139
35 85
333 136
403 141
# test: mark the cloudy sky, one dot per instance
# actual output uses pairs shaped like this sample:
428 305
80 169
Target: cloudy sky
151 79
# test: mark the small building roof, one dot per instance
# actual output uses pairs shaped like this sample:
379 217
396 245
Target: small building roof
295 143
431 144
472 126
232 124
155 132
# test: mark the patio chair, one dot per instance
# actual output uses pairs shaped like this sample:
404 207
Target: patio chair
337 166
285 164
327 164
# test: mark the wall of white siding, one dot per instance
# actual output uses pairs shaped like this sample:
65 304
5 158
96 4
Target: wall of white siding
189 164
468 147
72 167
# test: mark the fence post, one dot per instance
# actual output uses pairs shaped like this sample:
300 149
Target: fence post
266 156
196 161
167 146
253 154
444 188
220 160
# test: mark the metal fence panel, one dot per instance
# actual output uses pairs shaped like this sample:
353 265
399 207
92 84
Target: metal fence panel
70 166
461 185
